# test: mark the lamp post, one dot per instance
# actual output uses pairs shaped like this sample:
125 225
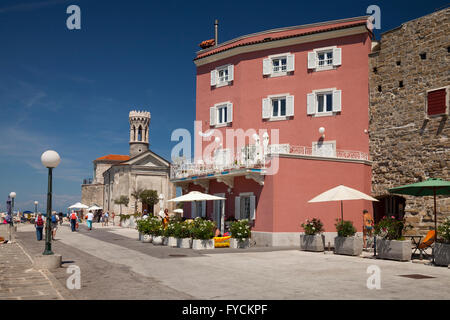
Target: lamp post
50 159
35 207
12 195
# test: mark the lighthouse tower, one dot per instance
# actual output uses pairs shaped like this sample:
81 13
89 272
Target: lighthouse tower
139 125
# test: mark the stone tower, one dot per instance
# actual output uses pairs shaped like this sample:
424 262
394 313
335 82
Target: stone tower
139 125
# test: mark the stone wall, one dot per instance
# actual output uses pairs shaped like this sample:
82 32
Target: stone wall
92 194
406 147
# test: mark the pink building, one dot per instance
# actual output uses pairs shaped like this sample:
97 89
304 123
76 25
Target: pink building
304 91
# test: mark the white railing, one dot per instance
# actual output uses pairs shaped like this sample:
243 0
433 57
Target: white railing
253 156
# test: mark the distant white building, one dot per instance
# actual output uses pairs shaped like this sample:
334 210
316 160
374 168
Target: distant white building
121 175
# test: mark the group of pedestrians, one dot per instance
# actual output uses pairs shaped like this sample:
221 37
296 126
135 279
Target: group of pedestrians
57 219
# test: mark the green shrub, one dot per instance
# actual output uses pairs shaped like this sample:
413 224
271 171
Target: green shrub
183 229
345 228
170 230
240 229
390 229
313 227
444 231
143 226
124 217
203 229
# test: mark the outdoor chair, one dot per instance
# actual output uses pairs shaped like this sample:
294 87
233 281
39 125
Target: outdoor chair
425 244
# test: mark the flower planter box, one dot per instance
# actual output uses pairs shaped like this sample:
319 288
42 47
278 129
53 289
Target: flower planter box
351 246
203 244
315 243
146 238
184 243
158 240
140 236
442 254
400 250
238 244
165 241
172 242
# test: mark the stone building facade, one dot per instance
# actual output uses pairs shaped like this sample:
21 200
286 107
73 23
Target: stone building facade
407 144
121 175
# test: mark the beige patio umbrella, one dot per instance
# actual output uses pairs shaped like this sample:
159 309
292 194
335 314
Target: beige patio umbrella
341 193
196 197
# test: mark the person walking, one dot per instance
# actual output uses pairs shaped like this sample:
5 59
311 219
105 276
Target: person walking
106 217
60 215
73 221
54 224
90 217
39 224
367 226
113 215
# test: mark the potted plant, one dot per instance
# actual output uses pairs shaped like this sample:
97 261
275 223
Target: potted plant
183 234
390 242
229 221
203 234
312 240
156 230
346 242
143 226
169 233
442 246
240 234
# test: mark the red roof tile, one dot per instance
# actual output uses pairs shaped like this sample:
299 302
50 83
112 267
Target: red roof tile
114 157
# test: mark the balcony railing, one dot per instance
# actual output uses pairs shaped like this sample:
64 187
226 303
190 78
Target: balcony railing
253 156
87 181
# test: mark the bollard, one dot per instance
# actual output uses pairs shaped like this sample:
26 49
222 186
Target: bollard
329 246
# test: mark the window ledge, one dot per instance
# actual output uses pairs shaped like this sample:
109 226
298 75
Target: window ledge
279 74
278 118
325 114
223 84
228 124
327 68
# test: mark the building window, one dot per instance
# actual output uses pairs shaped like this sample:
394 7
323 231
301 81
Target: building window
324 102
398 62
278 65
222 76
279 107
437 101
245 206
324 58
379 89
400 84
423 55
221 114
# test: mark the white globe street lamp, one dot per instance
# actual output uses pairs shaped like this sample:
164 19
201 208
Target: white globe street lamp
50 159
35 206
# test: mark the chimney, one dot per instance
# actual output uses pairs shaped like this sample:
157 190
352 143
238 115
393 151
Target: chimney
216 32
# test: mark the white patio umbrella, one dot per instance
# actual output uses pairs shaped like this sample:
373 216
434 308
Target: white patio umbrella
178 211
78 205
196 196
94 207
341 193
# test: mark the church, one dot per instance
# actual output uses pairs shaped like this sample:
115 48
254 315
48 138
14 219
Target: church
123 175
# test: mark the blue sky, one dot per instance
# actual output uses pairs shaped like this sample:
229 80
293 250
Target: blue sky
71 90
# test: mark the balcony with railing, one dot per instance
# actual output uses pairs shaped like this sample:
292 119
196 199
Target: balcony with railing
256 158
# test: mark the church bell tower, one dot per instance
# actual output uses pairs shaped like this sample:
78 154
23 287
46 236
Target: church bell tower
139 124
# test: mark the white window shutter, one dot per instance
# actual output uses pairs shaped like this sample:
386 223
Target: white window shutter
252 207
203 208
311 60
237 208
290 63
290 106
267 66
193 213
337 101
212 116
229 112
266 108
311 104
213 78
337 56
231 72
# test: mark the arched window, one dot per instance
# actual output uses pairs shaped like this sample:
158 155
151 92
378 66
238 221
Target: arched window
134 133
140 134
